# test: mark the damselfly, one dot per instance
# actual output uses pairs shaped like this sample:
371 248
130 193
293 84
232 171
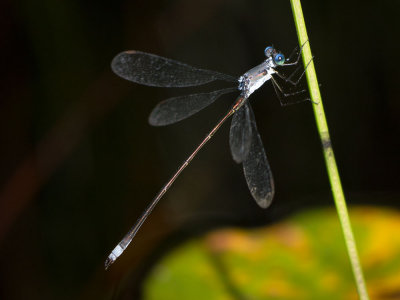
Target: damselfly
245 142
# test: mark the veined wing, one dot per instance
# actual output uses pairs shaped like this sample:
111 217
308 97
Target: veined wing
257 170
149 69
240 135
178 108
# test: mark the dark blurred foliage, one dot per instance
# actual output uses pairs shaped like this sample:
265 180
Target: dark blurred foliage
79 162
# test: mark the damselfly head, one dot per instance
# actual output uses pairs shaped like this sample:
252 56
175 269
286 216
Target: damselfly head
278 58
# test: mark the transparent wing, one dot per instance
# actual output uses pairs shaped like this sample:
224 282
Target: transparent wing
149 69
257 170
240 135
176 109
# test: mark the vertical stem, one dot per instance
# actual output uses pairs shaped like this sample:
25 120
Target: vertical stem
333 173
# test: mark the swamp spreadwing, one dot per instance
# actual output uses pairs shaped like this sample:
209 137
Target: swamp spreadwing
245 142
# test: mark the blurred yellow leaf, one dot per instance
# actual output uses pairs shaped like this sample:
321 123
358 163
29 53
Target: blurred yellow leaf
302 257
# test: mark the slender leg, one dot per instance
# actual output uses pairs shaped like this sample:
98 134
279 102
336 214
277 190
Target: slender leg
287 94
279 91
291 54
276 85
288 79
298 56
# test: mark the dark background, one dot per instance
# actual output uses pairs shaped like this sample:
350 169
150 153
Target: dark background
79 161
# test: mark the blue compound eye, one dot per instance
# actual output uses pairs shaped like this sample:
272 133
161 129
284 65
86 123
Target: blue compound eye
279 59
268 51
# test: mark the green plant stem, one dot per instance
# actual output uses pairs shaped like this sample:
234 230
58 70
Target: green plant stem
333 173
